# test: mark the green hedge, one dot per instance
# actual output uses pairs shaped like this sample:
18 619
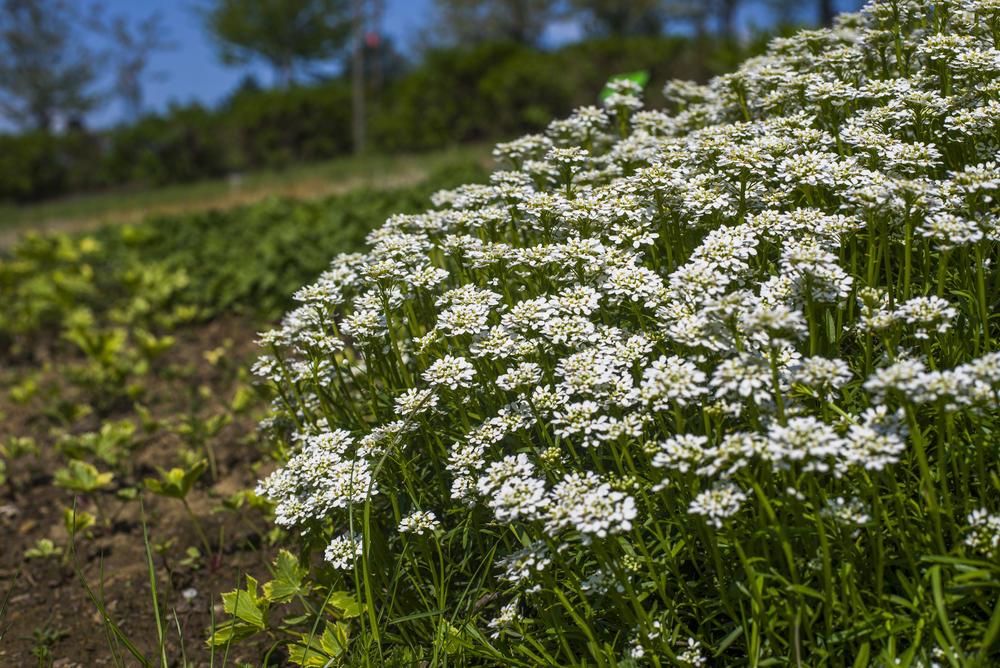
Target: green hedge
173 268
490 92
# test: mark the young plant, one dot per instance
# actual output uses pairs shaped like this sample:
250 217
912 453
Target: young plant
44 549
321 636
198 432
176 484
84 477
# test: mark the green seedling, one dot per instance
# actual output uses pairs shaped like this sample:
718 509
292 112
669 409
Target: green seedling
149 424
84 477
150 345
321 635
77 521
110 362
237 502
102 346
23 392
186 457
66 412
44 549
193 558
19 446
213 356
44 638
198 432
109 444
163 548
244 398
176 484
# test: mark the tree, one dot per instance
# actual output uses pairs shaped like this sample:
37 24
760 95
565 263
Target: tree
47 75
285 33
622 17
826 12
133 45
475 21
719 14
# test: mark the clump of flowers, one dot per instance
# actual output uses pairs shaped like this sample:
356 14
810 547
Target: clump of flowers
747 346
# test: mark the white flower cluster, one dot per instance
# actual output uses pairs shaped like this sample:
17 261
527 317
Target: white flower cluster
679 300
419 522
984 532
343 551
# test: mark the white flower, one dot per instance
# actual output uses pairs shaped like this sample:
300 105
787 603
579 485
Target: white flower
419 522
718 503
451 372
342 551
984 532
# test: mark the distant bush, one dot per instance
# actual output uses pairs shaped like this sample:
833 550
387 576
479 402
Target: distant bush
171 268
487 93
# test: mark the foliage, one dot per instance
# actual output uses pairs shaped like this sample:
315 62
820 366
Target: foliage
285 33
152 276
47 73
465 22
498 90
715 385
492 91
322 636
644 17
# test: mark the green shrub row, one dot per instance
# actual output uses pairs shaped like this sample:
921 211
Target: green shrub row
489 92
171 269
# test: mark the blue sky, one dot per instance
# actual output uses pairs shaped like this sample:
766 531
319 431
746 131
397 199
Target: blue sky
193 72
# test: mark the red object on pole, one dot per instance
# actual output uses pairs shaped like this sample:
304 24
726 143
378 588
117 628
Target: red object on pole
371 39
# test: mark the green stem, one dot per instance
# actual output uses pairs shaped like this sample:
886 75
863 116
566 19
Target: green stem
198 529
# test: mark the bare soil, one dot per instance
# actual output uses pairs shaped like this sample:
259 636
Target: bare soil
48 596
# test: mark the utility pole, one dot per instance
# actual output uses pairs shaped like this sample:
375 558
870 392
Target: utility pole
358 79
376 43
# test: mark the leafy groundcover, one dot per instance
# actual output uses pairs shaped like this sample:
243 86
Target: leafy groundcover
716 385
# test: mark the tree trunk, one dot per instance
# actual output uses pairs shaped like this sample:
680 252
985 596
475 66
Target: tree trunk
826 13
727 14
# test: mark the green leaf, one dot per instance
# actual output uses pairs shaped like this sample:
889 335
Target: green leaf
346 604
176 483
77 521
246 605
230 632
335 638
82 477
641 77
288 576
309 656
43 548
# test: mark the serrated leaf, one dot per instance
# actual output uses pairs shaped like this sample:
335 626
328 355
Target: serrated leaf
309 656
82 477
334 639
230 632
176 483
345 604
246 605
288 576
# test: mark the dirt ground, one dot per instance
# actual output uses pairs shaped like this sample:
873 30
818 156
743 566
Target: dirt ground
50 610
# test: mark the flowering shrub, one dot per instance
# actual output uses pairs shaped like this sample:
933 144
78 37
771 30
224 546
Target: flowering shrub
710 387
